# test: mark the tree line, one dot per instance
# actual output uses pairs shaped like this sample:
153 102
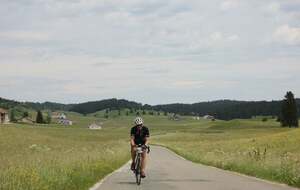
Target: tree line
221 109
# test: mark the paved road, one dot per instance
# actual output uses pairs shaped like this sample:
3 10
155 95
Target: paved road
167 171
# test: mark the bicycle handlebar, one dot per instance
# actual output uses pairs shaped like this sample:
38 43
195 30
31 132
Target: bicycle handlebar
144 147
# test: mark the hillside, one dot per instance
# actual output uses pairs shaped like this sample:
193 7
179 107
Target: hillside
227 109
221 109
91 107
7 104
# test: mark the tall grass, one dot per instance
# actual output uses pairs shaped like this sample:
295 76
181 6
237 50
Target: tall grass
256 148
48 158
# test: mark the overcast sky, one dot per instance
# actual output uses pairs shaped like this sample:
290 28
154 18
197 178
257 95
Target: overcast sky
151 51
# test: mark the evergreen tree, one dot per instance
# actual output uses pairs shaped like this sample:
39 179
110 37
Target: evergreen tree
138 113
119 112
127 113
39 117
12 116
289 112
165 113
144 112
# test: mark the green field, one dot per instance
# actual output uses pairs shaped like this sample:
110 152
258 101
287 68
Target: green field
56 157
255 148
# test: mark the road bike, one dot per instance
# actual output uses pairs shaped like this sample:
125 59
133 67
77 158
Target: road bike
138 162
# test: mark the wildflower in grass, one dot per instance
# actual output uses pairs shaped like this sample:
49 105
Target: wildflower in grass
34 146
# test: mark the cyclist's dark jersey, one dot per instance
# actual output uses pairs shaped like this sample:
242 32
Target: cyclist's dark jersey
139 134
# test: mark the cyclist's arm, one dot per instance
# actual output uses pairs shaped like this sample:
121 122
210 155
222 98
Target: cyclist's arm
147 137
132 141
146 141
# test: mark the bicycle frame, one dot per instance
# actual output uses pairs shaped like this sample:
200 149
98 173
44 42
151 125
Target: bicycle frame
138 163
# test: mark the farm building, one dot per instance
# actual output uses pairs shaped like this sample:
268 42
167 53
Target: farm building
174 117
209 117
61 118
56 115
65 122
95 126
3 116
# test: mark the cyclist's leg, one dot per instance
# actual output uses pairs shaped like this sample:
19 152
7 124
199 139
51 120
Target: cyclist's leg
133 153
144 161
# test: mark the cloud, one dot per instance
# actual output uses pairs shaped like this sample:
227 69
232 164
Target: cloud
219 39
233 37
215 83
229 4
108 48
287 35
24 36
216 36
273 8
289 8
188 84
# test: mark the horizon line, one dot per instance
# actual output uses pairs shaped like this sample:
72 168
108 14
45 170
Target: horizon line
204 101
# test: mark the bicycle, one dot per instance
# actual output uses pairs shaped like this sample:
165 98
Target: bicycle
138 162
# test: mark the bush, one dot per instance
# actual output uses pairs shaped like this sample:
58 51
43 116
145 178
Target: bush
48 118
25 114
39 117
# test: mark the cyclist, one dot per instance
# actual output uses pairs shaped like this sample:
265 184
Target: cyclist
139 135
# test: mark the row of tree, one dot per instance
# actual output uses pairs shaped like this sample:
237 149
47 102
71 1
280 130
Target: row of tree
221 109
8 104
17 115
135 112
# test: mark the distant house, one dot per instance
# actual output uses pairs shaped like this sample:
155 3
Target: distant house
174 117
61 118
94 126
3 116
209 117
65 122
56 115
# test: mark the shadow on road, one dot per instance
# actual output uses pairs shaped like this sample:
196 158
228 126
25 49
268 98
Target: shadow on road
166 180
127 182
180 180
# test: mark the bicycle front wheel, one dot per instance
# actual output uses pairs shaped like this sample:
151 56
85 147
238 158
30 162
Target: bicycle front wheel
138 171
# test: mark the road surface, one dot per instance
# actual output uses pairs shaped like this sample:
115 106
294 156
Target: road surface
167 171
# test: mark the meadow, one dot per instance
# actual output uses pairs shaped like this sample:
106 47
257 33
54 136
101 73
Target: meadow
57 157
252 147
